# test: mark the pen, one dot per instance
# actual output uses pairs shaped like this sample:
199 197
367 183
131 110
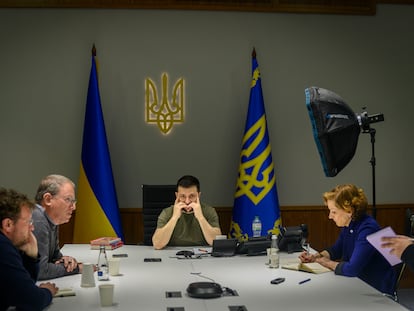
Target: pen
203 250
304 281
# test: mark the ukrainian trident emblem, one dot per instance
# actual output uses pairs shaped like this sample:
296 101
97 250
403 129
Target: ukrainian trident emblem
164 112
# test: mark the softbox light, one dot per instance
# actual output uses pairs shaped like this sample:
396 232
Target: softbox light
336 131
335 128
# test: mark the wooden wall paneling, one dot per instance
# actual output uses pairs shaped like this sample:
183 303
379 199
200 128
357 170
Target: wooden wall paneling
322 231
393 216
132 224
225 215
357 7
66 232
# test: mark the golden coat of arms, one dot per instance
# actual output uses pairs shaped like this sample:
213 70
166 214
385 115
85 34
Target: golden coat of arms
164 112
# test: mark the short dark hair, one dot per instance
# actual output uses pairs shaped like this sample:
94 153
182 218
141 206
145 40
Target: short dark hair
11 202
188 181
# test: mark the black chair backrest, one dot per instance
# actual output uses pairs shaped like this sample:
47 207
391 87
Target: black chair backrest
409 222
409 231
154 199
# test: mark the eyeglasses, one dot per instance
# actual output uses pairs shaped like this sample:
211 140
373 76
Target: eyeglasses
27 221
68 200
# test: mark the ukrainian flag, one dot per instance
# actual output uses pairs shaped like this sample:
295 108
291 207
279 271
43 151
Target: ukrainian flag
97 212
256 193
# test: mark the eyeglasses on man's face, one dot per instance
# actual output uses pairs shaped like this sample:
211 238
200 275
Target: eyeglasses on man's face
68 200
27 221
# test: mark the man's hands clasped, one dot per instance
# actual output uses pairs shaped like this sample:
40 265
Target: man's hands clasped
181 207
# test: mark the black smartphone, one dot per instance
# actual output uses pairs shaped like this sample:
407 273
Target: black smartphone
277 281
152 259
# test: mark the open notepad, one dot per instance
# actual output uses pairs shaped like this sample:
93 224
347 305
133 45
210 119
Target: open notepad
312 267
64 292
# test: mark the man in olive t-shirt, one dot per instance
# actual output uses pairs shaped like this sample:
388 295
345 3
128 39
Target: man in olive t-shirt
188 221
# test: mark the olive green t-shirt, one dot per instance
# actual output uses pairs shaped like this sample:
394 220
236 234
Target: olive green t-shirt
187 231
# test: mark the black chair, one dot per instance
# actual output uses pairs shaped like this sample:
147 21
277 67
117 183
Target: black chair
399 269
154 199
409 222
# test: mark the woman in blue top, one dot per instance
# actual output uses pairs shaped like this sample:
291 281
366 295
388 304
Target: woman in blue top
352 255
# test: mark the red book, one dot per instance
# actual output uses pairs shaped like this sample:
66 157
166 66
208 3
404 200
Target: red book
109 242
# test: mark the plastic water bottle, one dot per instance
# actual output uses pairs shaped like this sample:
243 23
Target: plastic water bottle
103 274
274 253
257 227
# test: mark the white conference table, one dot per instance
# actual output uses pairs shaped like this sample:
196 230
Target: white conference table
143 285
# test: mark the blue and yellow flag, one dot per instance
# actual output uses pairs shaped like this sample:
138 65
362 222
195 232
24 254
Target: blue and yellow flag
256 193
97 212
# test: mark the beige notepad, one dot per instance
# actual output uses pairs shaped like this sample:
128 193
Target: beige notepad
312 267
64 292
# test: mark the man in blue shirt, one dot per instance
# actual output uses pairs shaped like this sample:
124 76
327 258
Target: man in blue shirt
19 256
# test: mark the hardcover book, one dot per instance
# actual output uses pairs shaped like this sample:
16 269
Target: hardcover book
109 242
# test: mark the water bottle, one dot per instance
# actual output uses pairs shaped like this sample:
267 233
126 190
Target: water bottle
274 253
257 227
103 274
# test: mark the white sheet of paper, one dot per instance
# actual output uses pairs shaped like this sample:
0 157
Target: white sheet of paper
375 240
203 250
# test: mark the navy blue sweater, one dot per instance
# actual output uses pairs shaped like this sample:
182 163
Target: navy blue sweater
408 256
18 274
359 258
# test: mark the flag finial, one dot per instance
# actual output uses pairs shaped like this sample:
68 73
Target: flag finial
254 53
93 50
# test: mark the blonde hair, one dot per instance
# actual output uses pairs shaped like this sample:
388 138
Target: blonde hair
349 198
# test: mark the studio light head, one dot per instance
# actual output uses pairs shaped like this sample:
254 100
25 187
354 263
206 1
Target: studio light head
336 128
365 120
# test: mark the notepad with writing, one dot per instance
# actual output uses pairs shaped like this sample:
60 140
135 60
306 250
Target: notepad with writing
312 267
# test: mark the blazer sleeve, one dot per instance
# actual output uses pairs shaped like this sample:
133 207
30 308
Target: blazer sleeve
408 256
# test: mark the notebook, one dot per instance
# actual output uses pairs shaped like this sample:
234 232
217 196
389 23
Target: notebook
312 267
65 292
224 248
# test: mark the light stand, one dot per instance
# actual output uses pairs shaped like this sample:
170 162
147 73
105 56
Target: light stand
364 122
373 163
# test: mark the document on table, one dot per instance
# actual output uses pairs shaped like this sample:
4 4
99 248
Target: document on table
375 240
202 250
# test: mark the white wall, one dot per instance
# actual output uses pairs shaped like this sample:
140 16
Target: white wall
45 66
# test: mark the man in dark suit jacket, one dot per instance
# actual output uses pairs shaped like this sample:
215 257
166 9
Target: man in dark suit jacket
19 256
